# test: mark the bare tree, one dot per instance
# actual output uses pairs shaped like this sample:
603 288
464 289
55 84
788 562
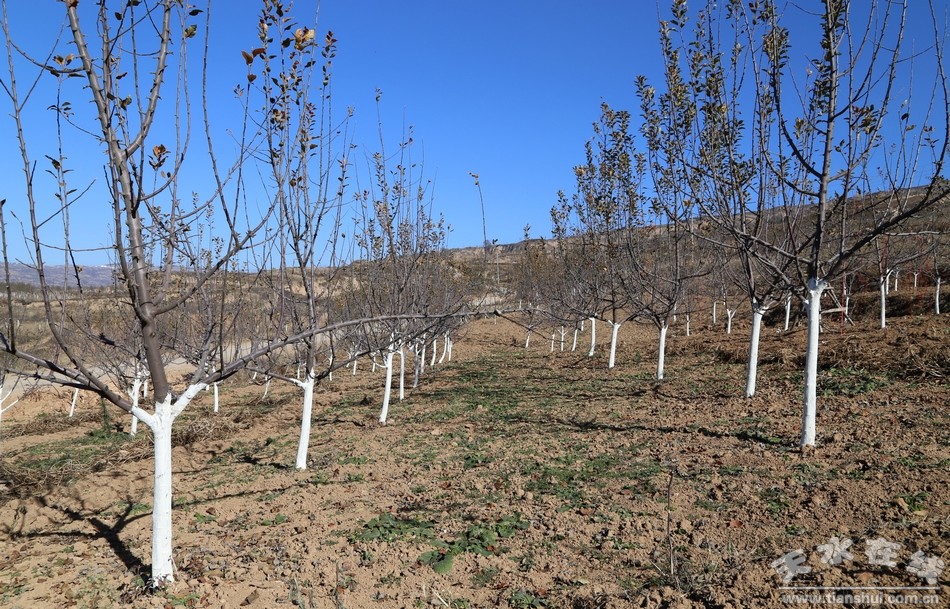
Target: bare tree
182 256
842 133
593 226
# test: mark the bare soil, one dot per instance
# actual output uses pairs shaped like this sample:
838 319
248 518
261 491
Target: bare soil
509 478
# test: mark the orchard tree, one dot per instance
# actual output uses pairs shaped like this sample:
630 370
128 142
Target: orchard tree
121 90
856 124
592 227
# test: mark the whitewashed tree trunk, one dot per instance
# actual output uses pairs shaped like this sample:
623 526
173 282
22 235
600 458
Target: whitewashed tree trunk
614 330
883 301
916 273
553 334
661 357
788 310
574 344
687 324
446 346
160 422
215 389
715 302
937 296
72 404
266 388
3 409
387 391
306 416
896 275
730 313
422 357
563 335
815 289
402 374
758 312
451 344
354 366
593 336
527 339
435 350
134 395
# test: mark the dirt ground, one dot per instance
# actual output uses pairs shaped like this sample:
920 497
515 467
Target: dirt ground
512 478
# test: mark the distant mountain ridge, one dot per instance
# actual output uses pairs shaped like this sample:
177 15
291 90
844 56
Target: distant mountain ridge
91 276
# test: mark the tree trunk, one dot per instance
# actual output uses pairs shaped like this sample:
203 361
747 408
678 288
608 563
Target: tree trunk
687 324
788 310
402 374
714 312
161 425
389 385
815 289
751 374
937 297
661 356
614 330
730 313
306 416
72 405
593 336
574 344
883 300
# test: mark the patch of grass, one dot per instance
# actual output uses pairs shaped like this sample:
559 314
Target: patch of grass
523 599
387 527
484 577
277 519
482 539
849 382
775 500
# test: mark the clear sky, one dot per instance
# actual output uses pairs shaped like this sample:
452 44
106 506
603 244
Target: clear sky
506 89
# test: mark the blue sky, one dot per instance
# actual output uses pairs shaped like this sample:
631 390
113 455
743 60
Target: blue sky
506 89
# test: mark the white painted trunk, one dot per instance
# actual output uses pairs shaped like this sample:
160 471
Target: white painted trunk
661 357
593 336
435 351
552 342
715 302
446 348
730 313
266 388
387 391
574 344
72 404
451 344
563 335
614 330
809 410
788 310
896 275
916 273
752 371
306 416
354 366
527 339
422 358
215 398
687 325
402 374
136 389
163 567
937 297
883 301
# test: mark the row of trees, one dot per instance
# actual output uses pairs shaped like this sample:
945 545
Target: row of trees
257 255
764 174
